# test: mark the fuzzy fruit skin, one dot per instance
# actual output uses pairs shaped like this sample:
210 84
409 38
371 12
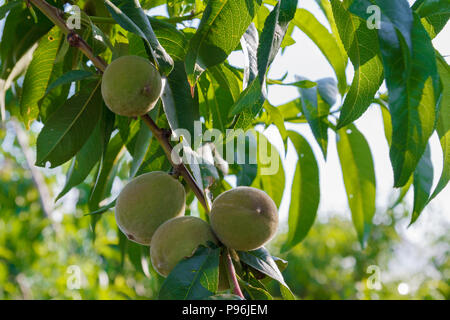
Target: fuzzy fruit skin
131 86
146 202
244 218
176 239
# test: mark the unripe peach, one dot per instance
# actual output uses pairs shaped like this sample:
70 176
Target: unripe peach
244 218
131 86
176 239
146 202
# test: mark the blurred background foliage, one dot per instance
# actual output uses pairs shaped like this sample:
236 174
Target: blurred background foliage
39 256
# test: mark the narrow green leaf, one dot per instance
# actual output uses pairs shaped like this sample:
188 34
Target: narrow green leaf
84 161
326 42
104 209
143 140
4 9
275 28
271 177
38 75
412 103
412 80
359 178
171 39
68 128
180 107
249 44
69 77
316 109
194 278
422 183
305 194
20 26
387 123
106 172
443 126
434 14
255 289
362 47
222 25
277 118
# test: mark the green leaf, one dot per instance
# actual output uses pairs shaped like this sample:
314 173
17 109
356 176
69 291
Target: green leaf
359 178
250 99
68 128
38 75
19 25
249 44
4 9
219 94
261 260
247 107
69 77
277 118
180 107
412 80
443 126
434 14
222 25
412 103
292 111
305 194
255 289
271 177
104 209
326 42
57 97
362 47
106 172
171 39
275 28
387 123
130 16
422 183
194 278
84 161
143 141
316 110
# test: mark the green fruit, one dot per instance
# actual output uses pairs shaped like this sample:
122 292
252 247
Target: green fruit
176 239
244 218
131 86
146 202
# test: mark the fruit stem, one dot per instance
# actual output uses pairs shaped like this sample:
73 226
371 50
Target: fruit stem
232 275
163 140
57 17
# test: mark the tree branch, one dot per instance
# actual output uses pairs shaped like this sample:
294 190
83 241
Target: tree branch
57 17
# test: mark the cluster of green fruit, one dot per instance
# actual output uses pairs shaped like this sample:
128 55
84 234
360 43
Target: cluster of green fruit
150 211
150 208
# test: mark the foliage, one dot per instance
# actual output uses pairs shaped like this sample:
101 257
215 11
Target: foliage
51 79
